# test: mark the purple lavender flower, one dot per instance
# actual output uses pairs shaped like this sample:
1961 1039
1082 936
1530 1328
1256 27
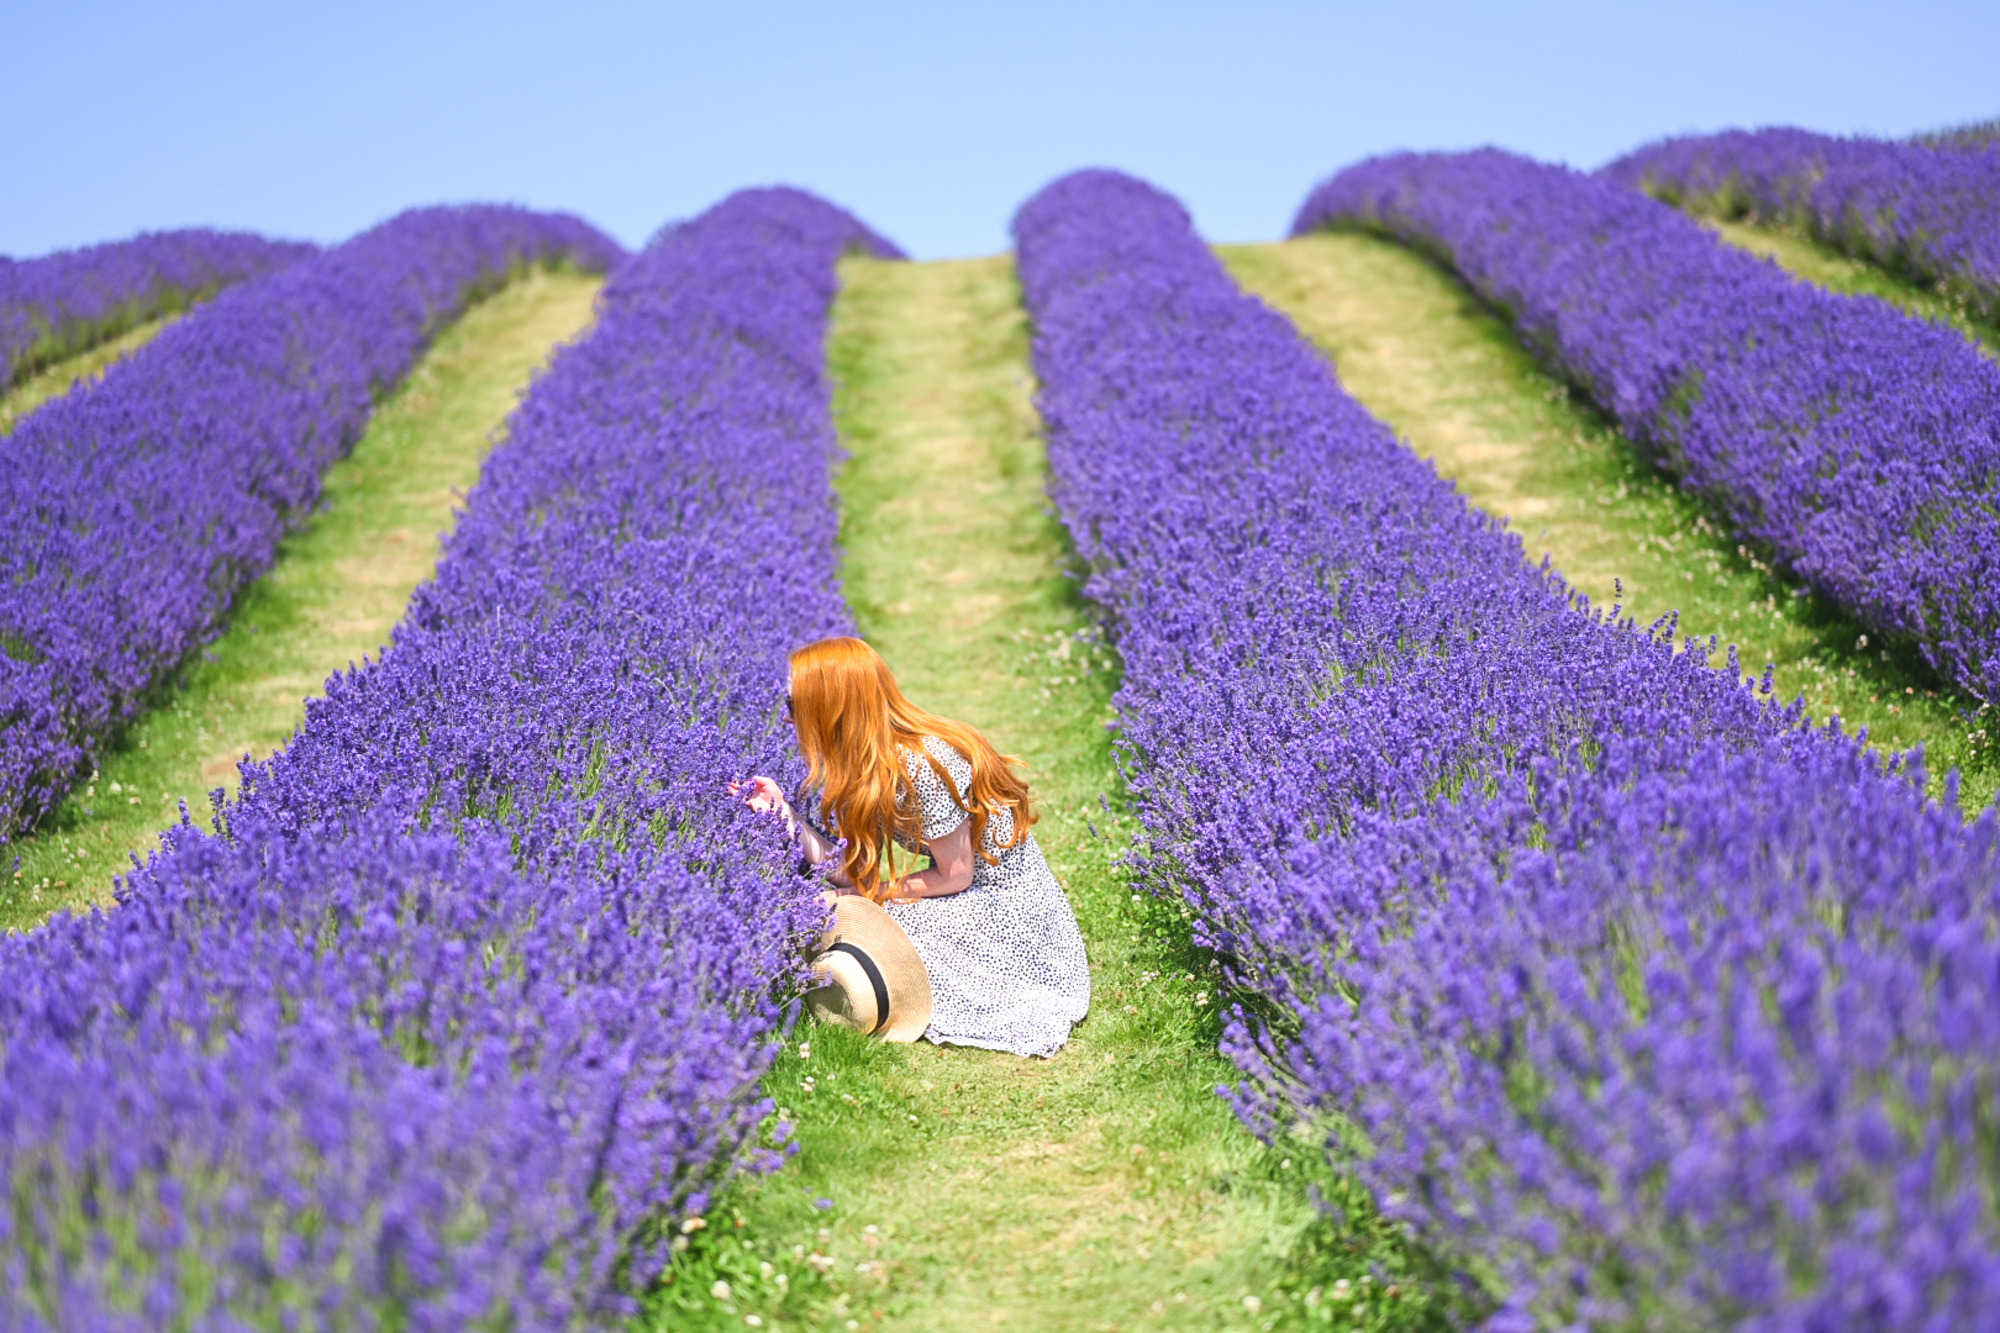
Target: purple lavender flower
138 507
1647 1003
1857 444
471 990
57 305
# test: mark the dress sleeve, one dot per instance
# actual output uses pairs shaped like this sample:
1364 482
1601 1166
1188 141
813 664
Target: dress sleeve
941 814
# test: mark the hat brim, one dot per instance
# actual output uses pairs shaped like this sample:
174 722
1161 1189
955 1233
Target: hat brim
864 959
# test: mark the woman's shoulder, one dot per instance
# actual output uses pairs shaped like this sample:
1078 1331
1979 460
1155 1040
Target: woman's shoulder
937 747
943 752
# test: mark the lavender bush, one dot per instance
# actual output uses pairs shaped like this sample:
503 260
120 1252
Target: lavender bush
468 997
1970 134
1646 1003
1930 212
1859 445
58 305
137 508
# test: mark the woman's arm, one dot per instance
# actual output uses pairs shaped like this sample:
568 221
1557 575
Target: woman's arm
951 867
764 794
818 850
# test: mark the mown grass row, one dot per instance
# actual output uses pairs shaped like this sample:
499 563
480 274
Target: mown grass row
339 586
1424 354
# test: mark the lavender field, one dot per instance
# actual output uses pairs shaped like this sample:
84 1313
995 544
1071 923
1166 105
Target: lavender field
1930 211
1469 952
58 305
1525 877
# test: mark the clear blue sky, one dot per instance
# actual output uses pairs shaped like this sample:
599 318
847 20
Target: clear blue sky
931 120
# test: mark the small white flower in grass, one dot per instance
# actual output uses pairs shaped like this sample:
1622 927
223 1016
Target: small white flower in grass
755 1321
693 1224
819 1263
1201 997
1252 1304
721 1290
1342 1289
766 1269
805 1050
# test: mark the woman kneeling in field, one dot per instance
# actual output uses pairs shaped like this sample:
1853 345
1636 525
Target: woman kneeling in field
992 926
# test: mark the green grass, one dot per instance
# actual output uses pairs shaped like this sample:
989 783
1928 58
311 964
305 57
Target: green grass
58 379
1807 259
339 586
1109 1187
1422 353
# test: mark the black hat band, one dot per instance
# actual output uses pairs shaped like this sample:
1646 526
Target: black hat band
875 979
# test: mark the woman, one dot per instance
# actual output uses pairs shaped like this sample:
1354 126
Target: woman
995 932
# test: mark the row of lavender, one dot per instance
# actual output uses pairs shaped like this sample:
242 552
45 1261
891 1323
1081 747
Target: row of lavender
1932 213
1859 445
138 508
474 990
1652 1006
57 305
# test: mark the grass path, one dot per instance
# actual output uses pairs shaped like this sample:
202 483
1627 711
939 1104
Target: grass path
1805 258
1422 353
337 589
64 375
1106 1188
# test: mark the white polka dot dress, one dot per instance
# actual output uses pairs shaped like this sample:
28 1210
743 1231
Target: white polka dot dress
1004 955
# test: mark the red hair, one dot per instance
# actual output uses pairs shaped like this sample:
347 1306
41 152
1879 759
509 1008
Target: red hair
853 722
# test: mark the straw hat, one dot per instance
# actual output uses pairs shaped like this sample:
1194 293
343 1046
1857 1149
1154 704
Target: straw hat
870 976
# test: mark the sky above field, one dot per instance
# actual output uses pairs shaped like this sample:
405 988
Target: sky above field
933 121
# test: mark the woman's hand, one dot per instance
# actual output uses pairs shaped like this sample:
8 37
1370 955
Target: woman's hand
763 795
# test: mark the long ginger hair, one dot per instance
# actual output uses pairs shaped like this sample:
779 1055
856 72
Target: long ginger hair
853 722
